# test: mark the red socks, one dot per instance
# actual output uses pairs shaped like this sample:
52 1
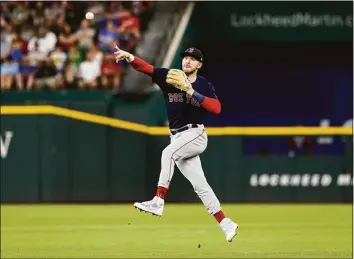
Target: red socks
219 216
161 192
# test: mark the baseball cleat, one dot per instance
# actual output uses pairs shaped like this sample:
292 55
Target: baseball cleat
154 206
229 228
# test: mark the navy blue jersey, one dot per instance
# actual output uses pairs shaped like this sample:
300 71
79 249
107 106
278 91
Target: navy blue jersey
183 109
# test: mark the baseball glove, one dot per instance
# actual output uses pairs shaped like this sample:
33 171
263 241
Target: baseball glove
178 79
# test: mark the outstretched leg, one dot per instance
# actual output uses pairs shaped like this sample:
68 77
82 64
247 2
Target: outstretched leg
192 169
183 145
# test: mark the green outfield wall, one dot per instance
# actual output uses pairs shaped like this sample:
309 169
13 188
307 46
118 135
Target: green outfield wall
50 158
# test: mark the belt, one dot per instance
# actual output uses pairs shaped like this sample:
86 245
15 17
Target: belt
189 126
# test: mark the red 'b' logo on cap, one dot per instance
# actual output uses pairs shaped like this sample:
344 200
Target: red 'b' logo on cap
190 50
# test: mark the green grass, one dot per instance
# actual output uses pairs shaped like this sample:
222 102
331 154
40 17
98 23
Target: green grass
84 231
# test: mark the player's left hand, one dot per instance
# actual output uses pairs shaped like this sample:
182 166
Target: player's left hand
178 79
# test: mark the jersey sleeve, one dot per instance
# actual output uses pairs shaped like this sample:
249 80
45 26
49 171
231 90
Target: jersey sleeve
159 75
210 101
211 93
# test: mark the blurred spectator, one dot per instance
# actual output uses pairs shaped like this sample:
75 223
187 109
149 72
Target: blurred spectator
70 81
116 13
98 9
107 37
5 47
138 7
38 13
5 13
43 43
10 71
18 47
3 22
58 58
20 14
46 74
144 11
89 71
35 56
9 33
75 11
116 8
55 10
129 33
46 41
27 71
111 73
60 82
119 9
57 25
66 38
110 17
75 57
97 54
27 32
130 22
85 36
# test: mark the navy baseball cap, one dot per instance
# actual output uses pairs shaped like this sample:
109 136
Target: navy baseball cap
193 52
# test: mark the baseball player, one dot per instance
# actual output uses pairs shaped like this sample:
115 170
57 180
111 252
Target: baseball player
188 98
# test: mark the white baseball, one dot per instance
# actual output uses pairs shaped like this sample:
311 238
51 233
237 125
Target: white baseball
89 15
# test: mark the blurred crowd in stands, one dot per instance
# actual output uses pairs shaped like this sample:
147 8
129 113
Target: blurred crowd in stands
51 45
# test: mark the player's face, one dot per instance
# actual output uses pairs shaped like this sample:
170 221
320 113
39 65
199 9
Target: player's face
190 65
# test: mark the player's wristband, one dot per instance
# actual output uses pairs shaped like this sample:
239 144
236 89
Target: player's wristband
199 97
